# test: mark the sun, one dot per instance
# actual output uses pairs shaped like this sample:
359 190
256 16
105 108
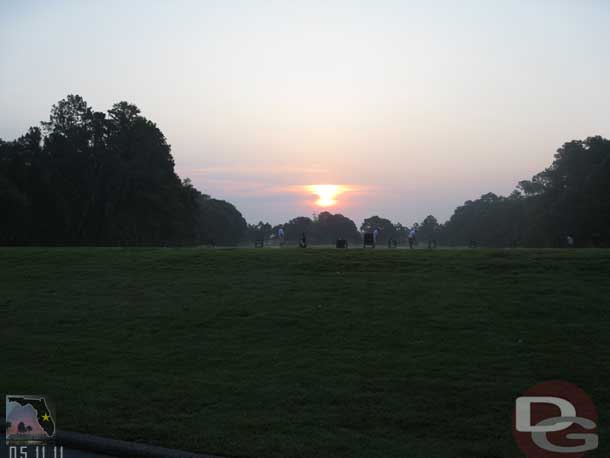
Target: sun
327 193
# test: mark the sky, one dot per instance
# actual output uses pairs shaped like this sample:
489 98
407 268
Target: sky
27 414
413 107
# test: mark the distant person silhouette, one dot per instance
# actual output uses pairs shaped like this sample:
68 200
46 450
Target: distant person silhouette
280 235
411 238
303 241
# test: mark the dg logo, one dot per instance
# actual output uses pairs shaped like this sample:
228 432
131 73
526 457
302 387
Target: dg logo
555 419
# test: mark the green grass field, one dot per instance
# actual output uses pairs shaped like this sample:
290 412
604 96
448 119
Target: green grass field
304 353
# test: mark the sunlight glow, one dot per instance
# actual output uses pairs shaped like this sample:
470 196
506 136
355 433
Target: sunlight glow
327 193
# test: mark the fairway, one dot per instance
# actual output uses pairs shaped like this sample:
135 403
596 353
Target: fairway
304 353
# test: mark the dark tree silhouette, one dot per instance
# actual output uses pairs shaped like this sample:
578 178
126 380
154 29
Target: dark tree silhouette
97 177
570 197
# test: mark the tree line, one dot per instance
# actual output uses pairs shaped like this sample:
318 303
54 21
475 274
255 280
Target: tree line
326 228
108 178
91 177
569 199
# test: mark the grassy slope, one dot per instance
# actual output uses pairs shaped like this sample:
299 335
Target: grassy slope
315 353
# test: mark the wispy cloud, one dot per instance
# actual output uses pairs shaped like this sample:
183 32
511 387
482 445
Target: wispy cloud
260 179
258 170
314 187
283 188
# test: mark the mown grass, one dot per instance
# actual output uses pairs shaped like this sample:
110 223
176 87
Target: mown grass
304 353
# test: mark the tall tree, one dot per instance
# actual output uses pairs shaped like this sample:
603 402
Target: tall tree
101 177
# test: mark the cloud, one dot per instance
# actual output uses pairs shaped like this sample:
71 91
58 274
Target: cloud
258 170
277 191
244 180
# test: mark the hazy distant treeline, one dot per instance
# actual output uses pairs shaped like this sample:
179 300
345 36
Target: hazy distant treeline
569 198
95 177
